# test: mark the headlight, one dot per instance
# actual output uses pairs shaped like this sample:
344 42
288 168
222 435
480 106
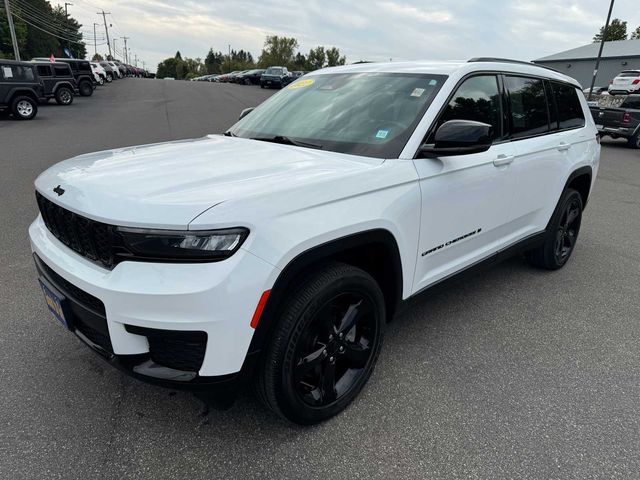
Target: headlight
210 245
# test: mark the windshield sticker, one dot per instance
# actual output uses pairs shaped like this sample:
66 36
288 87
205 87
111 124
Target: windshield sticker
301 84
433 82
7 72
417 92
382 133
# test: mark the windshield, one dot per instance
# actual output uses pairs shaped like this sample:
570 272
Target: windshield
274 71
369 114
630 74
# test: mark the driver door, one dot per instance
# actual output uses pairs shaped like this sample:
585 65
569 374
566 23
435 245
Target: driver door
466 199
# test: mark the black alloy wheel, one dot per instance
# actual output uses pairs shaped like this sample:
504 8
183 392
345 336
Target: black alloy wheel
562 233
325 345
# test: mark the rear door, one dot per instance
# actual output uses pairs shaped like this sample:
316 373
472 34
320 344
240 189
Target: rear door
547 129
466 199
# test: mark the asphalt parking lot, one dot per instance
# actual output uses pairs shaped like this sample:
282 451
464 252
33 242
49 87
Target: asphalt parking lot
512 373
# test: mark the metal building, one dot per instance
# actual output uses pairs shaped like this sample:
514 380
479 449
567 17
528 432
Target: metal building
580 62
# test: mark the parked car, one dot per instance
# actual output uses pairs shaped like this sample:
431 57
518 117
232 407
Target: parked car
276 77
20 89
58 81
226 77
111 75
116 71
250 77
619 117
626 82
82 72
99 73
279 251
596 90
297 74
122 69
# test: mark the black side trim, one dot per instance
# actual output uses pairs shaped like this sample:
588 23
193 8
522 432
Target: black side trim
527 243
586 170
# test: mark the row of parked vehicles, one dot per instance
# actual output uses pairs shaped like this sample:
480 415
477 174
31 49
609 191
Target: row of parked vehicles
272 77
25 85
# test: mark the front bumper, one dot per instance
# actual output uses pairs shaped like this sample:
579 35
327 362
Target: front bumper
214 300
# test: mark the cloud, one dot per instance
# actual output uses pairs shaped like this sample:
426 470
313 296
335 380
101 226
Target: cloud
368 29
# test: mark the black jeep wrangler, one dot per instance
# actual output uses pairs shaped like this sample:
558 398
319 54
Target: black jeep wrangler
81 72
20 89
58 81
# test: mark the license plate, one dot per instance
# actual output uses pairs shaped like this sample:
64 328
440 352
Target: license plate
54 303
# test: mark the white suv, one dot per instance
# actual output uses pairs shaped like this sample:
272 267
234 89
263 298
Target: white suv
626 82
277 253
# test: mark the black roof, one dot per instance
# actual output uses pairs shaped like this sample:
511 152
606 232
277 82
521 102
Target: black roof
15 62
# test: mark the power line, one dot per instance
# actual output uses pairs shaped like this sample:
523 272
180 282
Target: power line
36 15
48 32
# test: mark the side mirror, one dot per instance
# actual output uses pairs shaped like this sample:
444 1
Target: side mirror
459 137
246 112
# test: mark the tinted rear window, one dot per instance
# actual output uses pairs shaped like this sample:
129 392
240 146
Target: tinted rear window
570 114
62 71
17 73
629 74
632 101
529 113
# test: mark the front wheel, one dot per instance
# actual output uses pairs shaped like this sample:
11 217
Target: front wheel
325 345
64 96
24 108
86 89
562 233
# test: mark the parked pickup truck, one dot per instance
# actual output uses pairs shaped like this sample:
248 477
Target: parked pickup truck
618 116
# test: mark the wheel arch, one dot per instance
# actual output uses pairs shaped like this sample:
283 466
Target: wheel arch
22 92
580 180
375 251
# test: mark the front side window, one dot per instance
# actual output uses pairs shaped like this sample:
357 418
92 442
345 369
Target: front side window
478 99
570 114
529 112
62 71
369 114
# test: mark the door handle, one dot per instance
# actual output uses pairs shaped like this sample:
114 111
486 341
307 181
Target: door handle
503 160
564 146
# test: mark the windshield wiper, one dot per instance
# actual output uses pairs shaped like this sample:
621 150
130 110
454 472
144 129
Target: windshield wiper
287 141
229 133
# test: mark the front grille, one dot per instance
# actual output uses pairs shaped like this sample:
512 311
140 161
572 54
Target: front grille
181 350
91 239
96 336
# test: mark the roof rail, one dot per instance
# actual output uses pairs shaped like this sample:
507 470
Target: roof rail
509 60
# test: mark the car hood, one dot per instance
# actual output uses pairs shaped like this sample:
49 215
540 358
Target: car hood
167 185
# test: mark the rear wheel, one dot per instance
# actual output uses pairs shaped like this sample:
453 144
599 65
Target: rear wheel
86 89
634 142
562 233
24 108
325 345
64 96
109 78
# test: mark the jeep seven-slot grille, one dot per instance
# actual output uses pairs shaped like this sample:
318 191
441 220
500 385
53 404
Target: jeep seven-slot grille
91 239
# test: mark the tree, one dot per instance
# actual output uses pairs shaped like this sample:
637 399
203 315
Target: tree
278 51
300 62
334 58
635 35
97 58
617 31
316 59
214 62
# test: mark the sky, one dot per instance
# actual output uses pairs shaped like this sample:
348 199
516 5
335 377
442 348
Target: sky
375 30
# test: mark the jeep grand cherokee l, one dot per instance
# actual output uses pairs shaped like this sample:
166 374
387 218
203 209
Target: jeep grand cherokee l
275 254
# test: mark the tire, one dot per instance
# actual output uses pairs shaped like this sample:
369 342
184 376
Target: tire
324 346
64 96
109 78
24 108
101 81
262 85
86 89
562 233
634 142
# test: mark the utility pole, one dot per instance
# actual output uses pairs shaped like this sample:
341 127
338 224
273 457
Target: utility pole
66 16
604 37
104 14
115 50
136 60
95 42
126 60
16 50
229 58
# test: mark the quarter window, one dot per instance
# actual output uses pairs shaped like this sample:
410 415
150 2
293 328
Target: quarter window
17 73
570 114
529 112
478 99
44 71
